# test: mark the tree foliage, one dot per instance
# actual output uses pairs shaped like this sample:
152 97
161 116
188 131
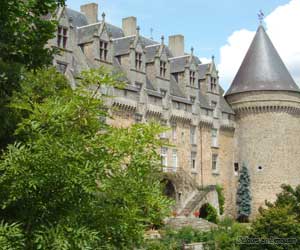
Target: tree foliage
73 174
26 27
244 195
221 198
278 226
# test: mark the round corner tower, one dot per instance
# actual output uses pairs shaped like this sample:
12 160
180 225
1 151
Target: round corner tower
266 101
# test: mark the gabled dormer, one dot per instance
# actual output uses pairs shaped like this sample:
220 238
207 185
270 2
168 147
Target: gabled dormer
209 77
137 54
213 78
104 45
162 65
191 71
64 29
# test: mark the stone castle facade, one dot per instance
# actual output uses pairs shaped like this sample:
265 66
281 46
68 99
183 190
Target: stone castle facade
211 134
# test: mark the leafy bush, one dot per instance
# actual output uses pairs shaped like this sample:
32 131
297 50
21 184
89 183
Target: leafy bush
73 171
280 220
11 236
221 198
209 213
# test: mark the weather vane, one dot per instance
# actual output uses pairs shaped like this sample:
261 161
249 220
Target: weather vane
261 16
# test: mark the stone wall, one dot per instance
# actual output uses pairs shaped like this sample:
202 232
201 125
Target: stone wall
268 141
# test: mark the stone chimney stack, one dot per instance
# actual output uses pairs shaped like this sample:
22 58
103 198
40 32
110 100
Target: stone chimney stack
176 45
129 26
91 12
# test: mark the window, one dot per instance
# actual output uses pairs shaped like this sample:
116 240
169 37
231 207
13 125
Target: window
214 165
103 50
177 105
138 61
213 84
193 135
164 152
163 69
174 158
214 137
192 78
174 133
193 160
61 67
236 168
62 37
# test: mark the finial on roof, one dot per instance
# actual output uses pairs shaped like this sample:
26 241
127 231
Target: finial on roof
213 58
192 50
162 39
103 16
261 16
138 30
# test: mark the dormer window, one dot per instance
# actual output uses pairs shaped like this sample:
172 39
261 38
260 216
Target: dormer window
163 69
103 50
62 37
138 61
192 78
213 84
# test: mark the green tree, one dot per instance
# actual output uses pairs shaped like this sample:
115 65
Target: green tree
277 228
73 174
278 225
26 27
244 195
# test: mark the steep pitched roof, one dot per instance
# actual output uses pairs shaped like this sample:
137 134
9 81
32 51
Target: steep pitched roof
122 45
151 52
203 69
262 68
175 89
177 64
78 19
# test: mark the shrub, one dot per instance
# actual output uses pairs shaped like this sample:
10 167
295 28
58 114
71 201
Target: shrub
209 213
11 236
221 198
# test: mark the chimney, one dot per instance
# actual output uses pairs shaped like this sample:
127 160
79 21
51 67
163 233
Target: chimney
91 12
129 26
176 45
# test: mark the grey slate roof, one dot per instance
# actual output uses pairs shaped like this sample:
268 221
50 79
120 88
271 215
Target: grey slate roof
149 84
78 19
203 101
203 68
87 32
151 52
177 64
114 31
174 88
122 45
262 68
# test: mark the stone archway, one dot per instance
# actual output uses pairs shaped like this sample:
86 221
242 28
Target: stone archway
169 190
203 213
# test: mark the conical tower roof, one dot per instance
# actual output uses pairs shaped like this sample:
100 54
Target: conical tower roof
262 68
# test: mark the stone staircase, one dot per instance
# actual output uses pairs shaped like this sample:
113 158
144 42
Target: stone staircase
188 209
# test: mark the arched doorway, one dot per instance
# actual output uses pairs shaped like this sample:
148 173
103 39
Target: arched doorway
208 212
169 189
